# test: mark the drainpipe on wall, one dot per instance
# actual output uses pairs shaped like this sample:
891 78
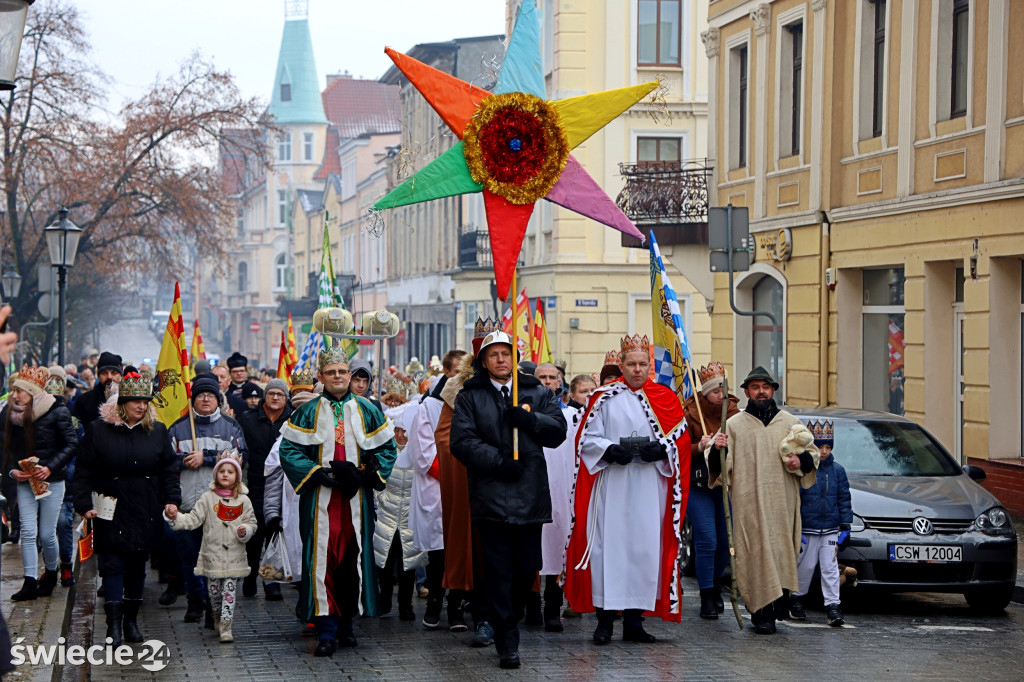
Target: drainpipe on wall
826 256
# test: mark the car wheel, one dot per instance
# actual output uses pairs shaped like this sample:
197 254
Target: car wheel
989 600
686 560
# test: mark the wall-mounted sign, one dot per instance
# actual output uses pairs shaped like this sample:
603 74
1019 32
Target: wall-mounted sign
586 302
551 301
776 245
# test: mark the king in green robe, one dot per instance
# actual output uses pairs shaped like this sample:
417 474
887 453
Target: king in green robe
338 578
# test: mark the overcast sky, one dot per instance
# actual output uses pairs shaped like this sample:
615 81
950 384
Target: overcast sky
133 41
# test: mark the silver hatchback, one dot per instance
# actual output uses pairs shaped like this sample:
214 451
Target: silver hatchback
921 522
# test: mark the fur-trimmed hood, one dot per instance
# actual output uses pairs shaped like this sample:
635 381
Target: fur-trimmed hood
108 412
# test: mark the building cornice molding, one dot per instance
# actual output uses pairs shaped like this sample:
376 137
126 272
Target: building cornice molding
998 191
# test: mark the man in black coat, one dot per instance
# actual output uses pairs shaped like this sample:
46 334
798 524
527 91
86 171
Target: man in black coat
87 406
261 426
508 496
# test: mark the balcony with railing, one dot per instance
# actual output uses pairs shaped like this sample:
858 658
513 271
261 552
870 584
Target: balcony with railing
475 249
670 197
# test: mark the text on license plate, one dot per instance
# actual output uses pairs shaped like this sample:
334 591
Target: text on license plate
926 553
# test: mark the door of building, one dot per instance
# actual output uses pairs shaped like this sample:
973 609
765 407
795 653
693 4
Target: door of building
958 382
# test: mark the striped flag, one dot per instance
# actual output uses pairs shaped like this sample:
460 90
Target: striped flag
523 320
293 355
284 364
541 349
329 293
311 349
171 397
198 350
671 351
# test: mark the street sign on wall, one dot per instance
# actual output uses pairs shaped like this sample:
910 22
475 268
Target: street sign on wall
254 326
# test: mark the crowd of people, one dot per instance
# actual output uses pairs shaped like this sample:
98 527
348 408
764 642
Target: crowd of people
499 495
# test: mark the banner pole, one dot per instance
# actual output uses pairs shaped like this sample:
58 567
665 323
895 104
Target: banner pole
515 364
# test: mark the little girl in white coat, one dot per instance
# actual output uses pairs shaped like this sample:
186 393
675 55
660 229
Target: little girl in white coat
228 522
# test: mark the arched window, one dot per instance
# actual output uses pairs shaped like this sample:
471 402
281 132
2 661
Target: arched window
280 272
756 340
243 276
767 343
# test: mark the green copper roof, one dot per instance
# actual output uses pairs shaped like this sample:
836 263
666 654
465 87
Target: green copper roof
296 96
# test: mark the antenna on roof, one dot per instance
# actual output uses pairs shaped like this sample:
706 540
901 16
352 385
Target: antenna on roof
296 9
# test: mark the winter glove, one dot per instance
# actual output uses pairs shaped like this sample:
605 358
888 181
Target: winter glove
653 451
273 525
349 478
616 454
521 418
510 470
371 479
844 538
324 478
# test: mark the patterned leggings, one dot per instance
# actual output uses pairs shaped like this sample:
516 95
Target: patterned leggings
222 597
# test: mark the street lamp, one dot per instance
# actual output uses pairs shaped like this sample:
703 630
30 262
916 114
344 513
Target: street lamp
12 29
11 282
62 239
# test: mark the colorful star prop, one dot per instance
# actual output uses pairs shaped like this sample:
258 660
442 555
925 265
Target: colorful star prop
514 145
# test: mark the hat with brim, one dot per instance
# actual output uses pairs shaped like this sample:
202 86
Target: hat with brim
759 373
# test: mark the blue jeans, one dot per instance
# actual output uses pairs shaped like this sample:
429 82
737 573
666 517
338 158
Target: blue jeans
38 523
66 532
710 538
189 542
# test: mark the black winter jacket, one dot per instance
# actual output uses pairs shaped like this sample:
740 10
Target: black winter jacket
139 469
55 442
481 439
87 405
260 434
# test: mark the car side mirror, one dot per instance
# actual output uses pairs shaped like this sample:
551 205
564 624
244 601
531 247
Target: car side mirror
976 473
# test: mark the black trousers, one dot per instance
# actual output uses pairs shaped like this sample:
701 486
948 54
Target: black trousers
406 579
552 597
123 574
512 557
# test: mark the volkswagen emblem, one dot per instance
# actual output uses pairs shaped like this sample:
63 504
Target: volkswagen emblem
923 526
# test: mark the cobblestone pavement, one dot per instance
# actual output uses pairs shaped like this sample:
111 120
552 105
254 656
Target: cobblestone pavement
902 636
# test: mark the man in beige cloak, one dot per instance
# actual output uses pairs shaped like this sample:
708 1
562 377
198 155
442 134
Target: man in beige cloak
764 488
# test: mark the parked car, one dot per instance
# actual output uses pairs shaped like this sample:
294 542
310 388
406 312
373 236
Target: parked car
921 522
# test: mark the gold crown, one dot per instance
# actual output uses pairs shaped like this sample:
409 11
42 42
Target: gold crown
134 385
303 379
55 386
611 358
226 455
490 326
711 371
37 375
331 356
635 342
822 431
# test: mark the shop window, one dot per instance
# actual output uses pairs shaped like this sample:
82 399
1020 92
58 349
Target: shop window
883 315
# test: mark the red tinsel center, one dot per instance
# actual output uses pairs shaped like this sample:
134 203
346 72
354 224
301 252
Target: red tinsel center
503 160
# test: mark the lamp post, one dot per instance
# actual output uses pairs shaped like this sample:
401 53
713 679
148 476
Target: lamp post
62 239
11 282
12 29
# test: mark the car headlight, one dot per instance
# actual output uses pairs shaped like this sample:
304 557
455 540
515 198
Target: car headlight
857 525
994 522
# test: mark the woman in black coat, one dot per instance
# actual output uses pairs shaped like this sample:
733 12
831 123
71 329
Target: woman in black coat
35 425
127 455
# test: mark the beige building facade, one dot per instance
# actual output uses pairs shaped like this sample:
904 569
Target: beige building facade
875 146
594 289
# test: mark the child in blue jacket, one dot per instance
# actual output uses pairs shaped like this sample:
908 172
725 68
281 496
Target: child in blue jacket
825 511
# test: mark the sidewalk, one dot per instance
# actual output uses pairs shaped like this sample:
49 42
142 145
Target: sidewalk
38 622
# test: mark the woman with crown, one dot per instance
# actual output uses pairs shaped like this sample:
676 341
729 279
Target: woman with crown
39 442
631 490
704 508
126 456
